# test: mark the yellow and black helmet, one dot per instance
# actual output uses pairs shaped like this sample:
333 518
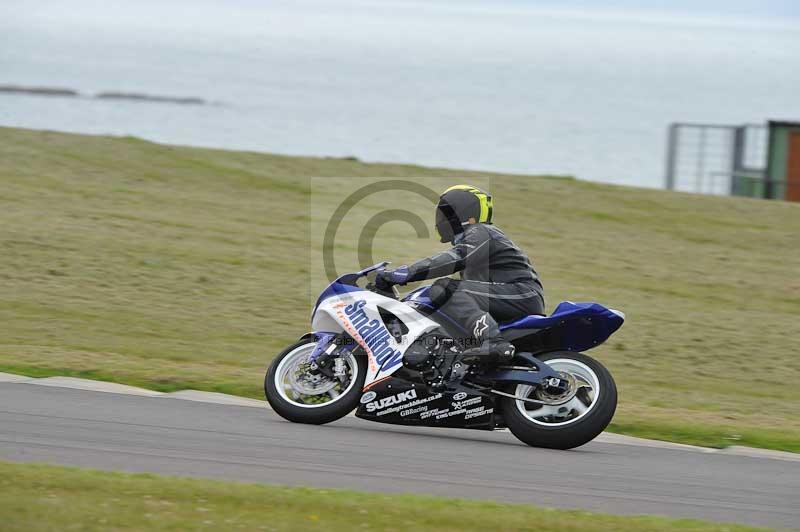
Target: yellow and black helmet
457 205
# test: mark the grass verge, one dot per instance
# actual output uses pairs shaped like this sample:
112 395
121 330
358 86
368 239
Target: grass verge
39 497
171 267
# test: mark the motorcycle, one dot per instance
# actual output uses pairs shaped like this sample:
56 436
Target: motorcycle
396 360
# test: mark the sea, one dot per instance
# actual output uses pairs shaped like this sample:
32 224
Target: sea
486 85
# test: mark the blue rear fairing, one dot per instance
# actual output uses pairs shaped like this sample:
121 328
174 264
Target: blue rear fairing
582 325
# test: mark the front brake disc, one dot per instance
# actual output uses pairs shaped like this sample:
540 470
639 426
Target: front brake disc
304 382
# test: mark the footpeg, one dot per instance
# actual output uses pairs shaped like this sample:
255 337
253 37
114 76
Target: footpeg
458 372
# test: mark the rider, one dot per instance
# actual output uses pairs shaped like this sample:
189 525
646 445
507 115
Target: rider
498 282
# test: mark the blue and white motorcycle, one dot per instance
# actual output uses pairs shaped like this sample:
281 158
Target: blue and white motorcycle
396 361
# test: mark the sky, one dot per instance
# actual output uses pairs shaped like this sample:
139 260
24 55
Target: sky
760 8
751 11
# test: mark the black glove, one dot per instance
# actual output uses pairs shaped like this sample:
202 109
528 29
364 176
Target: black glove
386 279
383 281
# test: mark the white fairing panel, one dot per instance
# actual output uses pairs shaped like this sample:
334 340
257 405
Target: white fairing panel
357 314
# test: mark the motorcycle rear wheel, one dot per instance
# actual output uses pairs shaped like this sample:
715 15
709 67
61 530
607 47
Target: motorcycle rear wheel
568 424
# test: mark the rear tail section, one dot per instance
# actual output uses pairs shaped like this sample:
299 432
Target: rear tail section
571 327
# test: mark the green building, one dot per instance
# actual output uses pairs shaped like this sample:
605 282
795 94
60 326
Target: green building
781 179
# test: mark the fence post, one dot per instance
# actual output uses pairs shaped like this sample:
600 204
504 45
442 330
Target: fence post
737 157
672 150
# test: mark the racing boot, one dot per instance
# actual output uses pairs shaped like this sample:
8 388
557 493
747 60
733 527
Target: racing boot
492 351
494 348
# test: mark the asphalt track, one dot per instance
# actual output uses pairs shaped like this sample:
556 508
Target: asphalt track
188 438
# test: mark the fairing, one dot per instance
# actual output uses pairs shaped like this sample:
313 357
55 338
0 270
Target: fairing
346 308
581 326
400 402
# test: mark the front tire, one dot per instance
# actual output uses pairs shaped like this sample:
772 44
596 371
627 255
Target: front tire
312 409
572 423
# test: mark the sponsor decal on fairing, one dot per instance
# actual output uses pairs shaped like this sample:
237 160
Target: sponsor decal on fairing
478 412
367 397
371 335
396 399
400 403
459 405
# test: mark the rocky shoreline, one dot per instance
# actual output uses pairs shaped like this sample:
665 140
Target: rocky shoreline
110 95
39 91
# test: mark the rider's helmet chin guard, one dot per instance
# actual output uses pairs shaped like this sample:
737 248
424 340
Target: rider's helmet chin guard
457 205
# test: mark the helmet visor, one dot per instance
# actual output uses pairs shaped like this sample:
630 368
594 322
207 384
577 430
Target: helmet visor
447 223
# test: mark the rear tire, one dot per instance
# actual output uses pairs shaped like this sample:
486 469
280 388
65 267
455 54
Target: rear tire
566 434
312 414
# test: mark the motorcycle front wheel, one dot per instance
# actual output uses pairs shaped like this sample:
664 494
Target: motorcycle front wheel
568 420
299 393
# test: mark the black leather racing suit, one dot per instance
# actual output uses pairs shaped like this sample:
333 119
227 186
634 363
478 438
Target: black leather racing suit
498 282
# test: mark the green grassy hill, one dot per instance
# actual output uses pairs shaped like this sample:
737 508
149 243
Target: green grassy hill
174 267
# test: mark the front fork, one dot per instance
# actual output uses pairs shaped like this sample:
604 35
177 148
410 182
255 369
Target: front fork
324 360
